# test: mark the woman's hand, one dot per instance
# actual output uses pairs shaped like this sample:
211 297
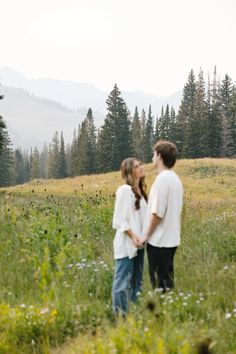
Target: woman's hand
136 240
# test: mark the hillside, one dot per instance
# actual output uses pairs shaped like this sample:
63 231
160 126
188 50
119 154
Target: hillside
32 120
57 267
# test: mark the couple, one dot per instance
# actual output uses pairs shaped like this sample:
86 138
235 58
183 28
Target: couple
155 222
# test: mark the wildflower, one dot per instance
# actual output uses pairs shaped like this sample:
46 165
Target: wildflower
22 306
184 303
43 311
226 267
158 290
228 315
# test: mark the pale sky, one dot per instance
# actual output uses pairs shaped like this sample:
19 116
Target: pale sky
147 45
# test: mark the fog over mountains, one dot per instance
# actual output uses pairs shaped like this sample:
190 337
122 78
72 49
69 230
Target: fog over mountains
35 108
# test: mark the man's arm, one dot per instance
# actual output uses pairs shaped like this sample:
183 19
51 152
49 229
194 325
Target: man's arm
154 222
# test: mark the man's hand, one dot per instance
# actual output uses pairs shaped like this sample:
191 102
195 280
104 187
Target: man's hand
143 240
154 222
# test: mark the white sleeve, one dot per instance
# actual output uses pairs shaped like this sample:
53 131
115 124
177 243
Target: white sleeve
122 211
160 199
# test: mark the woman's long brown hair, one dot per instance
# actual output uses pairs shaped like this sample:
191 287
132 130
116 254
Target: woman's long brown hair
127 171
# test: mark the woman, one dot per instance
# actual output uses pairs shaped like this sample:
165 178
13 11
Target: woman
128 217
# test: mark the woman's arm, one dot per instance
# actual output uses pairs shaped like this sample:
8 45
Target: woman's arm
134 238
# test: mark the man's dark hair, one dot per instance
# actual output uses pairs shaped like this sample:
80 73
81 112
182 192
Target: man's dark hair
168 152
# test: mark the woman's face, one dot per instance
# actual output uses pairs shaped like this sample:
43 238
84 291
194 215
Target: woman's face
138 169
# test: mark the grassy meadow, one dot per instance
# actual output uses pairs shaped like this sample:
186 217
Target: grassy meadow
56 262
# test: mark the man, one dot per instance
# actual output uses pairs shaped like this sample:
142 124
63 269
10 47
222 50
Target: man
163 219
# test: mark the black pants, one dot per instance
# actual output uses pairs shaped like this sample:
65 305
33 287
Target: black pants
161 266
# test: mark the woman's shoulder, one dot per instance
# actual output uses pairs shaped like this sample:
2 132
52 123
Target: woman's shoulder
124 189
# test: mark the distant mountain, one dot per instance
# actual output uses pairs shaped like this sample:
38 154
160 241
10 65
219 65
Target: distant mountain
31 120
35 108
76 95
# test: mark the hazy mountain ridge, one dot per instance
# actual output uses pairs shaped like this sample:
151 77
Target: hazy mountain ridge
31 120
35 108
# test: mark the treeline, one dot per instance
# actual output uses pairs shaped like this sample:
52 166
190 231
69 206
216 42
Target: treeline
204 126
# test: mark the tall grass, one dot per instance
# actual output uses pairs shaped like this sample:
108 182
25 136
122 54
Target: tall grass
57 265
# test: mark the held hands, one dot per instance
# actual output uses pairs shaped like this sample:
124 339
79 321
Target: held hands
143 240
138 242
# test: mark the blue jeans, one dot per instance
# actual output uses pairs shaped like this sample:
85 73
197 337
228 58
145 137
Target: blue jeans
127 281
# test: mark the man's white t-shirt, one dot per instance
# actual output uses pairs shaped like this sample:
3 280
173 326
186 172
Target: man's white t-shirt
166 201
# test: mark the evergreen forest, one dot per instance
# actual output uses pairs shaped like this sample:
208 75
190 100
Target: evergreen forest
203 126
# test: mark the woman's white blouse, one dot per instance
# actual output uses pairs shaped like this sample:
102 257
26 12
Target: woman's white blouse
126 217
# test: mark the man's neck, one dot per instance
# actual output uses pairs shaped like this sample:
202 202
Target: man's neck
162 168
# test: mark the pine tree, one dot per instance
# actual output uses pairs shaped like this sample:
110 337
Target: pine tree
148 137
233 120
172 126
19 167
53 158
156 136
167 122
43 161
136 135
227 139
62 169
143 122
35 164
92 143
74 155
83 148
186 123
202 119
68 160
2 127
114 141
26 164
6 161
161 124
215 118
